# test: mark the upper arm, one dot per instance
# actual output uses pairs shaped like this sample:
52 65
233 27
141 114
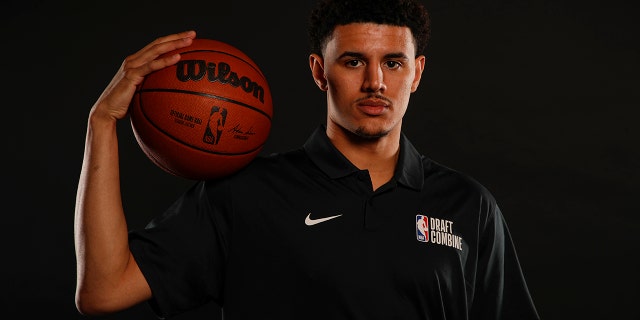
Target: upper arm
131 289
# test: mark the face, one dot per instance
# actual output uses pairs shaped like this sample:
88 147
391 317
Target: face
369 71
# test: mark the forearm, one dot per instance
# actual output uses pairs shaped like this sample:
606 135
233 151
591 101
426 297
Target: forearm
102 249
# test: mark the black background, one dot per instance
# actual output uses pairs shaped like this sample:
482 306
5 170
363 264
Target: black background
535 99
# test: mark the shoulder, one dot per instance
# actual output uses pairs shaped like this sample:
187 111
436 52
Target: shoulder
454 183
288 162
462 194
266 168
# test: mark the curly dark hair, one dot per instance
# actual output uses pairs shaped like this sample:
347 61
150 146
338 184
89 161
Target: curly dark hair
331 13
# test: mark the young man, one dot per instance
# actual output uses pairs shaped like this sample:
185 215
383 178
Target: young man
355 224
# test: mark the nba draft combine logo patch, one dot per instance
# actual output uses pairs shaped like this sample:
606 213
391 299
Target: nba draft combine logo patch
438 231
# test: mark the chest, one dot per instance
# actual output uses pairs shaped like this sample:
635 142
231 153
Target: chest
338 236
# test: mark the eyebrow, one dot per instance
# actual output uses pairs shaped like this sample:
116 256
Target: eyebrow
395 55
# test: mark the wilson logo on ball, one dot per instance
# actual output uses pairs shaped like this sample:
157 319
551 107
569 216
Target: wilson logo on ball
205 117
195 70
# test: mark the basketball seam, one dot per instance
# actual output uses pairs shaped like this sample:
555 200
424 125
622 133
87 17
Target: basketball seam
152 123
208 95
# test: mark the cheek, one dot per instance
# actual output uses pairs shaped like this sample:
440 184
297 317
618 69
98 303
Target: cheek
342 90
342 84
410 86
403 97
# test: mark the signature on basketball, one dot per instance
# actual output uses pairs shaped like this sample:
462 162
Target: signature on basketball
239 133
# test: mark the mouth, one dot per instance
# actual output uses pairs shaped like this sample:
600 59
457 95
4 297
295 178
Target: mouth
373 106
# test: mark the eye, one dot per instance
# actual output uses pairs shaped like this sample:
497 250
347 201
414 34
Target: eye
392 64
353 63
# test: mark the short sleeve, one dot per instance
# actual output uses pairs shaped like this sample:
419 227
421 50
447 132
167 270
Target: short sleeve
500 291
182 252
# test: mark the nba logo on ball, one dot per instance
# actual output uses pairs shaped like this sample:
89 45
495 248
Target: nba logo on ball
205 117
215 125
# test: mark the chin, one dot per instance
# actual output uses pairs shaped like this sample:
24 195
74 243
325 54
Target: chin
365 133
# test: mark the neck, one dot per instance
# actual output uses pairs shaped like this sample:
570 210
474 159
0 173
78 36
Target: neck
377 155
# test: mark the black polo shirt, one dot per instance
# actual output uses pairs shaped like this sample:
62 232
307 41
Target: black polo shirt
302 235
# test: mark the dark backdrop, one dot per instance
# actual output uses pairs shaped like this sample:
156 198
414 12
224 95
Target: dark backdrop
535 99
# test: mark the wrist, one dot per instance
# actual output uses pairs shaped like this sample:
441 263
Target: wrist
99 118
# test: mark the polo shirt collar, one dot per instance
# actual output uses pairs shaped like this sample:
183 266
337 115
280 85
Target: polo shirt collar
409 170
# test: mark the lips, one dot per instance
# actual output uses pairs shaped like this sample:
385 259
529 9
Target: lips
373 107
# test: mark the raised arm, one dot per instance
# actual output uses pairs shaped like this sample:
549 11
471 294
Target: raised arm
108 278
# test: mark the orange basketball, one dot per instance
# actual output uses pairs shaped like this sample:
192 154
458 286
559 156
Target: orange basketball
205 117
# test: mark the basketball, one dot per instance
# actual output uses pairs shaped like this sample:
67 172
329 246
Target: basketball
205 117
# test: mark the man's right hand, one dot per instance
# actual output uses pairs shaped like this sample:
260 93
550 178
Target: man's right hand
115 99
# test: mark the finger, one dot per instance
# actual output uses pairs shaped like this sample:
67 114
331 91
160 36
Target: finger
136 67
177 36
118 94
159 47
186 34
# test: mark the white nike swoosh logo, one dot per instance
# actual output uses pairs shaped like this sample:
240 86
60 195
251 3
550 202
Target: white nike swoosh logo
308 221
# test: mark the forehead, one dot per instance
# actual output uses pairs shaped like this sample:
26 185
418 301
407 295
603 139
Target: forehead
370 38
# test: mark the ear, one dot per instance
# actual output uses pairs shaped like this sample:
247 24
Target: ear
420 62
316 63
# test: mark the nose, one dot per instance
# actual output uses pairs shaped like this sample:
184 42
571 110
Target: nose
373 79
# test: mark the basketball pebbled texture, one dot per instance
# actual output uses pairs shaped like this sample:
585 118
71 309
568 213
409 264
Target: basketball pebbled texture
205 117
